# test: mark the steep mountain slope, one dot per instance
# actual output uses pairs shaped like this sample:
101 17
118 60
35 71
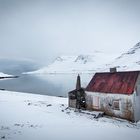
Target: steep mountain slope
127 61
77 64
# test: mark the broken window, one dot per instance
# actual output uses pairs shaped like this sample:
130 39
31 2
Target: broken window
116 105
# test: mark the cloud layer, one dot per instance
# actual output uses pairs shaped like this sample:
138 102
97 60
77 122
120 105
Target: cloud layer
42 29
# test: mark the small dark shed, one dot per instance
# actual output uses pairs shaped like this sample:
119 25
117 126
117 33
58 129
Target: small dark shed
77 96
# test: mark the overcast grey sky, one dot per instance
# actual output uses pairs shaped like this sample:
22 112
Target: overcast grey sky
42 29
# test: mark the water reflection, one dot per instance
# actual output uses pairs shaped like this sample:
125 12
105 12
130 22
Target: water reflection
49 84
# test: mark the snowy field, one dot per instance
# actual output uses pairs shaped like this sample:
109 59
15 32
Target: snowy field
37 117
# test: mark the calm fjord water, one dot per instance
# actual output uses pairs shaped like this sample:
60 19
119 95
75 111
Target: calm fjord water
49 84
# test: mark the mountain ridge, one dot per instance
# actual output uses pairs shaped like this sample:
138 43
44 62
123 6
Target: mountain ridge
87 63
128 61
91 63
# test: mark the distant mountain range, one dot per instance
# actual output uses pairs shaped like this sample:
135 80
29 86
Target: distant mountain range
4 75
96 62
77 64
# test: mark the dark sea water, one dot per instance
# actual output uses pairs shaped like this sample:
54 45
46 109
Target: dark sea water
49 84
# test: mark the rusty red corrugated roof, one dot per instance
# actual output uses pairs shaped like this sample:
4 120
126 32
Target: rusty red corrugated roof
118 82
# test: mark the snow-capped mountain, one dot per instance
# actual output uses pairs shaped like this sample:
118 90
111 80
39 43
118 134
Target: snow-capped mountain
97 62
128 61
4 75
77 64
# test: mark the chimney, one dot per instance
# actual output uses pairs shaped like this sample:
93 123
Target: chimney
112 70
78 83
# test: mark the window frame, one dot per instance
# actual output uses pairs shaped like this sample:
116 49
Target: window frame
116 104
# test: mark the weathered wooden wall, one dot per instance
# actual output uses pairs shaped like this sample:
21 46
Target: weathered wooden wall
112 104
72 103
137 100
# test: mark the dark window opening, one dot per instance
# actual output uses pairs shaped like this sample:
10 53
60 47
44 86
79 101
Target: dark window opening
116 105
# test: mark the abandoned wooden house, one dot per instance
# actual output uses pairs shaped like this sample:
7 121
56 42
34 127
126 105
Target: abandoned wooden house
114 93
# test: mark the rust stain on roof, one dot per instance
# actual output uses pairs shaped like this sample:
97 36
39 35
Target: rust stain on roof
118 82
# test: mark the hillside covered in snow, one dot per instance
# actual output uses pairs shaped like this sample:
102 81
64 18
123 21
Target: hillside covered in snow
128 61
96 62
77 64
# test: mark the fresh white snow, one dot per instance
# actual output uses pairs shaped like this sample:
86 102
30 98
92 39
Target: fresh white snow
25 116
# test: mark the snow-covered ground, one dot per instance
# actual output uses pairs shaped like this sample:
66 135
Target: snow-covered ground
36 117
